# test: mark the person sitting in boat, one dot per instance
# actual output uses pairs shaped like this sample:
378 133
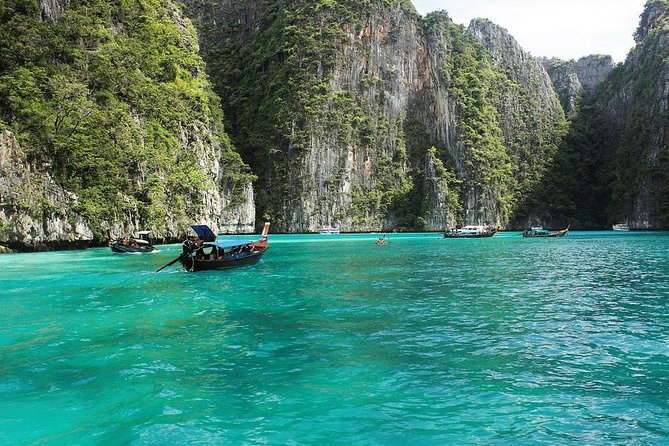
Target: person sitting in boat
200 252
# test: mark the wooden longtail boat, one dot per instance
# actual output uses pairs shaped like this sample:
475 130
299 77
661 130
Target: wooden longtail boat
206 253
141 243
471 232
538 231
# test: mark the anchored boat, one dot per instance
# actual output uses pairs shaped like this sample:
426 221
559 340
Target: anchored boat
538 231
471 231
329 231
207 253
141 243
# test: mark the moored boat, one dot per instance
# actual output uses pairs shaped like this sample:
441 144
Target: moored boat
139 244
329 231
471 231
621 227
538 231
208 253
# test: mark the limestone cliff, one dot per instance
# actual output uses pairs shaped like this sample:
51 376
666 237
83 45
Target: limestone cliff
336 106
118 126
35 212
571 77
634 104
614 166
530 115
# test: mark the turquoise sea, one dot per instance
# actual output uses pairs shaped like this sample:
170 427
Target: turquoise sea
334 340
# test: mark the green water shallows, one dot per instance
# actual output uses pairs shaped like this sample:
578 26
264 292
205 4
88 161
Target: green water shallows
331 339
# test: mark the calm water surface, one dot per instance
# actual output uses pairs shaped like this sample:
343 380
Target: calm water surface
333 340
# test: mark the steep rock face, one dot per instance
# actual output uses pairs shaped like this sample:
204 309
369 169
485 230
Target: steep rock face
571 77
52 10
615 163
336 107
117 106
35 212
635 103
593 69
530 115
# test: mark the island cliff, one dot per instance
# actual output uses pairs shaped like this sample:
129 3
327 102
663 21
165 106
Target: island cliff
614 163
365 115
108 123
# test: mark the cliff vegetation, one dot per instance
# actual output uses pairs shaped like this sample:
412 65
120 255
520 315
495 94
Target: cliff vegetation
112 99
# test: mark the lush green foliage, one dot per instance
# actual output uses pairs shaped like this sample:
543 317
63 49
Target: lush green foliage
507 166
110 96
274 85
615 159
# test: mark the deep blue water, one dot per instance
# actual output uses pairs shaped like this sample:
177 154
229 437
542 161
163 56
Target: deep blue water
333 340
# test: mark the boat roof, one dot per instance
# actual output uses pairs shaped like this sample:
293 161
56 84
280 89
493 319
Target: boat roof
225 244
204 232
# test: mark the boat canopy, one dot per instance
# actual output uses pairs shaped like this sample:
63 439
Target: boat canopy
204 232
227 244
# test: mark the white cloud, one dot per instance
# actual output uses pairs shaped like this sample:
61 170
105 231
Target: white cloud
568 29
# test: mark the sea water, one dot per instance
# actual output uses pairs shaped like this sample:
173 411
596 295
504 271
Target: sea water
334 340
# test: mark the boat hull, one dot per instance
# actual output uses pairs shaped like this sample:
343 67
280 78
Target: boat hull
560 233
482 235
193 264
120 248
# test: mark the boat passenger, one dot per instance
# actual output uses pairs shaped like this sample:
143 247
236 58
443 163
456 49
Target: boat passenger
199 253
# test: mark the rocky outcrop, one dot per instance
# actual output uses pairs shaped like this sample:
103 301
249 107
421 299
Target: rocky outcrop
593 69
654 16
35 212
571 77
52 10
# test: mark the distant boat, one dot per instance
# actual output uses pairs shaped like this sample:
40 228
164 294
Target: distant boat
471 231
621 227
209 254
329 231
538 231
141 243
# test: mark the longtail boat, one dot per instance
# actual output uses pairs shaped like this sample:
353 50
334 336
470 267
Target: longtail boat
471 231
141 243
207 253
538 231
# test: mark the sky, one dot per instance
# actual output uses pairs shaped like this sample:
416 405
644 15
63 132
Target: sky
568 29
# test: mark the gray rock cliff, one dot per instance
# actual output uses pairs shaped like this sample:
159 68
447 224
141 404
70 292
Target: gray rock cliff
571 77
359 159
175 167
52 10
635 105
35 212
